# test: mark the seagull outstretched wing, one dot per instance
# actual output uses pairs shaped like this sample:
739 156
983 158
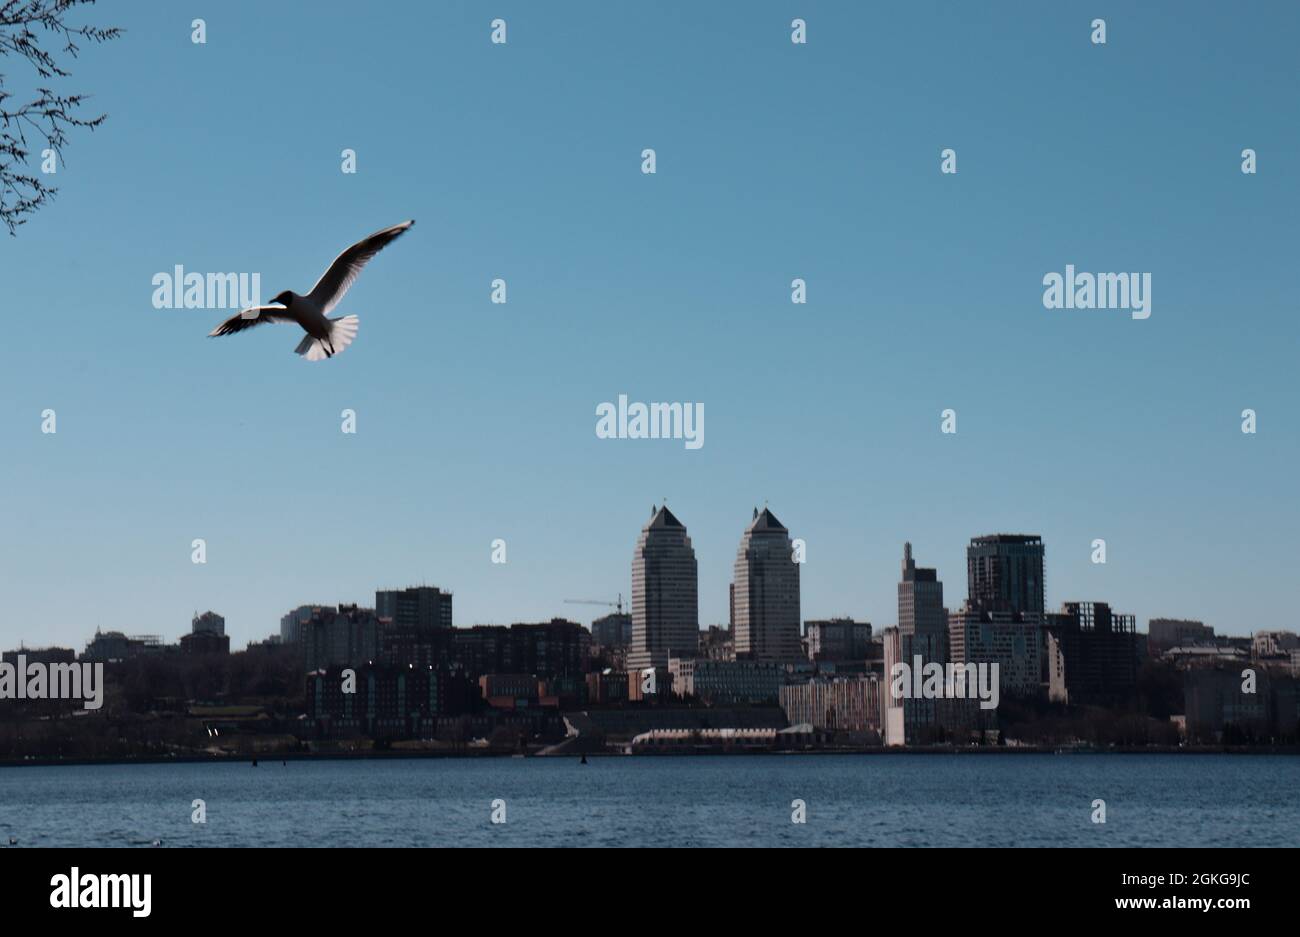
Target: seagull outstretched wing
347 266
253 315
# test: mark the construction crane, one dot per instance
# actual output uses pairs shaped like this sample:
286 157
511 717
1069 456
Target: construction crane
618 605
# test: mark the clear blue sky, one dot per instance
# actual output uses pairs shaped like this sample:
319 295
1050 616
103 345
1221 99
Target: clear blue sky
775 161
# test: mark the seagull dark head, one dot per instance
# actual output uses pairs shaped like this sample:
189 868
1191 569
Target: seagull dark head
285 298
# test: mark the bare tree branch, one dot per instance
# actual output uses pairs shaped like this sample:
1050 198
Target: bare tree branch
37 32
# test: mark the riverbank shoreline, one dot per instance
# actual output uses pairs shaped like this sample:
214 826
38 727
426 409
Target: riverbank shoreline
271 758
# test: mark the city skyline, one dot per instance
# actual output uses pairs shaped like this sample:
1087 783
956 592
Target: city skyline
920 601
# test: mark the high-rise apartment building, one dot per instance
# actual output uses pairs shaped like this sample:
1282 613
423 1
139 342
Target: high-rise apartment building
1099 652
1005 573
837 640
346 636
1012 640
209 622
292 622
612 630
419 608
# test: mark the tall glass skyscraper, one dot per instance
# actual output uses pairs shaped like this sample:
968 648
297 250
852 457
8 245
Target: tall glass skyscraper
920 599
766 592
665 593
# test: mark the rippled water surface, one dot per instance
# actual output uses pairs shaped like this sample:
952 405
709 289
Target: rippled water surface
852 800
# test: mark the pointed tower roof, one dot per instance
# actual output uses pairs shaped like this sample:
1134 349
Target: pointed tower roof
765 520
664 518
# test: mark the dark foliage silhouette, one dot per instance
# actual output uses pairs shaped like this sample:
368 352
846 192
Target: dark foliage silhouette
37 33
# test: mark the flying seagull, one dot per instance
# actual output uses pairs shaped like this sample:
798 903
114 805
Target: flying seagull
326 336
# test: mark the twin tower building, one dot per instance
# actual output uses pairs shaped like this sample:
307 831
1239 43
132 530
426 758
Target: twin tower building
665 593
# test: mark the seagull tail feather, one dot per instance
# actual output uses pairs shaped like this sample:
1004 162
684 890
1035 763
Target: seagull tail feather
342 332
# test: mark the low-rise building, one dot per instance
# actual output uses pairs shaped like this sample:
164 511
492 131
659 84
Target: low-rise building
718 681
40 655
607 687
114 646
509 690
1206 655
386 702
844 704
1274 644
205 642
1164 633
1223 706
717 643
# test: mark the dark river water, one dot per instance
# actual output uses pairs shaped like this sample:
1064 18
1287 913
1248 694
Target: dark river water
849 800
